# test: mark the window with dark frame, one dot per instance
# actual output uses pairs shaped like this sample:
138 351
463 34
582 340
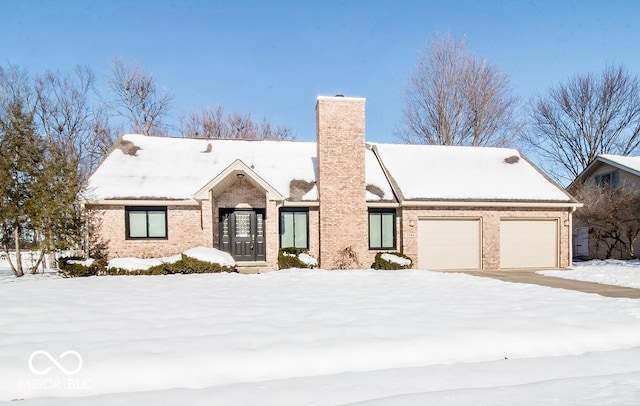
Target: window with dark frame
607 179
294 228
382 229
145 223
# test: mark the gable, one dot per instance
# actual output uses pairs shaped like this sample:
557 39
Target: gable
237 172
626 167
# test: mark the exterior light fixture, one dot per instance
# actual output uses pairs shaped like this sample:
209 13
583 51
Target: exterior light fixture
240 175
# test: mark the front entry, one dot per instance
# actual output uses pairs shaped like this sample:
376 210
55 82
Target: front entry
242 234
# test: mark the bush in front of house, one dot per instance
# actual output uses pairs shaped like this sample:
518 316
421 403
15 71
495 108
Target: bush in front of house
292 257
188 265
391 261
185 265
154 270
74 267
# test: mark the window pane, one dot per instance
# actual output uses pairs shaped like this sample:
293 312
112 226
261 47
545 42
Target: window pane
387 230
300 224
286 229
137 224
375 230
157 223
243 225
259 225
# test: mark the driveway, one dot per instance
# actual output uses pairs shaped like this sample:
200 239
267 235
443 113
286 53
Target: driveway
531 277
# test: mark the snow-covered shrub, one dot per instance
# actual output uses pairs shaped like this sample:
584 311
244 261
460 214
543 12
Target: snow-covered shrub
392 261
72 267
292 257
185 265
188 265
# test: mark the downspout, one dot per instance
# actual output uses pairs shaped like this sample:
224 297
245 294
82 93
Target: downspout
570 235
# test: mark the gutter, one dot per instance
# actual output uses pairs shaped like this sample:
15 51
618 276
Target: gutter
449 203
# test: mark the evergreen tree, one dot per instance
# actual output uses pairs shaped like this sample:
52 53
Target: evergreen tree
21 165
58 220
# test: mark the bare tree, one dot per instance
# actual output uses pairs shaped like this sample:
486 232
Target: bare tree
136 98
214 124
456 98
613 218
103 137
586 116
65 114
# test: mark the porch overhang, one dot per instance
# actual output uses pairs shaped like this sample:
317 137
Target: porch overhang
226 179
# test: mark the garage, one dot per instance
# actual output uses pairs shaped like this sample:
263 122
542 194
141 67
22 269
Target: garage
531 243
449 243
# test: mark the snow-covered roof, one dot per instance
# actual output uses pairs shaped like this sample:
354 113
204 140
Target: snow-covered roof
176 168
161 168
429 172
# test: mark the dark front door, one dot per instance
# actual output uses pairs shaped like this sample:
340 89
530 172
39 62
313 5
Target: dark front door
242 234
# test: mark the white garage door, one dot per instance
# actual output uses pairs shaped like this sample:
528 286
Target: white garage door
449 244
528 243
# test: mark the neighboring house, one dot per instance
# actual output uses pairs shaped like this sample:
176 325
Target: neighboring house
445 207
615 171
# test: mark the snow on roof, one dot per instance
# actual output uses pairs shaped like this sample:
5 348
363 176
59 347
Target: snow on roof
176 168
469 173
630 162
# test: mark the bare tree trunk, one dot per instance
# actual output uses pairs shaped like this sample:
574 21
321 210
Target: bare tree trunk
18 270
11 265
34 269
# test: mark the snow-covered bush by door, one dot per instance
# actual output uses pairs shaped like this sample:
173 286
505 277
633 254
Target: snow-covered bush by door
295 258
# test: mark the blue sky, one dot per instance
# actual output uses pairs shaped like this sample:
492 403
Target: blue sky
273 58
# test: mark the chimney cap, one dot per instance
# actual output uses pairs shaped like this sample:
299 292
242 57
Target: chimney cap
344 98
339 95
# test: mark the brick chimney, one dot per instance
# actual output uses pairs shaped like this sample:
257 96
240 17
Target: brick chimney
340 127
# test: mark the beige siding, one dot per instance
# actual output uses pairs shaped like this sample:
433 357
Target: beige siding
625 180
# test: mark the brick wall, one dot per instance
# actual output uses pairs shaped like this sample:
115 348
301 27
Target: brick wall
340 125
242 195
184 231
490 219
314 233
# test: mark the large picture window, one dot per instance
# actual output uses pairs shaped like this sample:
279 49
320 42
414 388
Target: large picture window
382 229
146 222
294 228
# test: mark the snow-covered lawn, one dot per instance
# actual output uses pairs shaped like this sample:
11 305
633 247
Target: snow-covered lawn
608 272
313 337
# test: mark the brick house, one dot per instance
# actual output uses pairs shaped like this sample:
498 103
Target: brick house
445 207
615 171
